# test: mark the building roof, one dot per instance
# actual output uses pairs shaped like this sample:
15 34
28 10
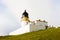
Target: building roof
25 14
41 21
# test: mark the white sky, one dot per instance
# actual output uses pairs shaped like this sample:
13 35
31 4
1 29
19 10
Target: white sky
11 10
37 9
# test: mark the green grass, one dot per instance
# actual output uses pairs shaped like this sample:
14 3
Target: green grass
49 34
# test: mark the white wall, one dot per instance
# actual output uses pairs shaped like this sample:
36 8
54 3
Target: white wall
25 28
38 26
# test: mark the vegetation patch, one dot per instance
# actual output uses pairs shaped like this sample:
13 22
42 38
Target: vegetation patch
48 34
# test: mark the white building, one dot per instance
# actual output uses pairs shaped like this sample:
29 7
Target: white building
38 25
29 26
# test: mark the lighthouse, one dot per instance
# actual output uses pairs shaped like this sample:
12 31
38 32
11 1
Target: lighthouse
29 26
25 16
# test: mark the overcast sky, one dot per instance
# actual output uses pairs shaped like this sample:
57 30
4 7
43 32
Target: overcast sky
38 9
11 12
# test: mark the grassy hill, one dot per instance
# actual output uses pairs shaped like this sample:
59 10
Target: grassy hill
49 34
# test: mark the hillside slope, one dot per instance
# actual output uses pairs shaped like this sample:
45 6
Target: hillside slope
49 34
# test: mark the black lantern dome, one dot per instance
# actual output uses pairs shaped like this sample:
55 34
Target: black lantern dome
25 14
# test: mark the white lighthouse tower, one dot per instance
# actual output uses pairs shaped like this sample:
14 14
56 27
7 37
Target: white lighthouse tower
25 25
29 26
